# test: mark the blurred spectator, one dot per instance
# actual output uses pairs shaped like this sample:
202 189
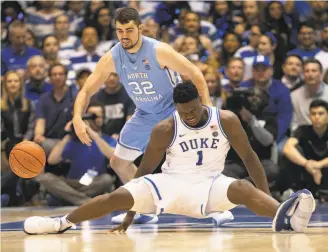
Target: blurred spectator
82 76
314 88
41 22
193 25
307 153
151 28
220 16
36 85
280 102
292 69
261 128
31 40
17 54
90 12
68 43
87 176
234 74
54 109
214 86
307 47
319 16
87 56
76 12
252 13
322 55
50 49
118 105
231 43
268 47
248 53
145 9
10 11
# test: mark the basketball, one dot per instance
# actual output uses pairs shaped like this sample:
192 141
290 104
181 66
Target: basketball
27 159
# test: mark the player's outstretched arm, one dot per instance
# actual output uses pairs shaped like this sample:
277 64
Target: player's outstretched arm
103 68
239 141
168 57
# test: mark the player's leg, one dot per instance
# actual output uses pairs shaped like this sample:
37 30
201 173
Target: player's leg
135 196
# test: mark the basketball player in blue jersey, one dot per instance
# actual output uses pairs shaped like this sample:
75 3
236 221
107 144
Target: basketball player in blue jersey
148 70
196 139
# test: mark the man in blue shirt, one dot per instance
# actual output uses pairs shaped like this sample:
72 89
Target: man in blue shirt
307 47
280 102
87 176
17 54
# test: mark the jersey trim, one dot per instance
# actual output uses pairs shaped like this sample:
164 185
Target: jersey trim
208 120
155 187
220 126
127 146
175 130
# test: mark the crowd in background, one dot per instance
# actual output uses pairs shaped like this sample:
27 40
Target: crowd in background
266 61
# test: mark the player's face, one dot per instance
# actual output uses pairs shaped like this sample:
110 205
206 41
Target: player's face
319 117
128 34
190 112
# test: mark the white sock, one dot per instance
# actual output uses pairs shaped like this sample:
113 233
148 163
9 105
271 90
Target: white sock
66 223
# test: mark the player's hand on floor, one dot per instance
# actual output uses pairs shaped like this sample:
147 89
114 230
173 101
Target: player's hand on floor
125 224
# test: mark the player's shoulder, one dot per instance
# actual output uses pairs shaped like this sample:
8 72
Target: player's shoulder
227 116
164 126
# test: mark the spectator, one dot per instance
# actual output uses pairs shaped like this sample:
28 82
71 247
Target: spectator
17 123
17 54
54 109
214 86
151 28
79 185
314 88
292 69
261 129
145 9
36 85
306 37
322 55
82 76
90 12
307 153
221 16
87 56
50 49
31 40
118 105
41 22
319 16
280 102
248 53
252 13
267 47
76 12
234 74
231 43
68 43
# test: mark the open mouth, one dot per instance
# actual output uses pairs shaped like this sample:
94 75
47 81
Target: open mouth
191 121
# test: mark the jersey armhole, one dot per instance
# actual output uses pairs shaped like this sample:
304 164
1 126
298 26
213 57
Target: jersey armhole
175 130
157 43
219 122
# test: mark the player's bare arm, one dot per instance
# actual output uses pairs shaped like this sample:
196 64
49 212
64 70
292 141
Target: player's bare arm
103 69
168 57
239 141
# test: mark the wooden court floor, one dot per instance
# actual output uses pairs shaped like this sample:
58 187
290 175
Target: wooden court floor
247 233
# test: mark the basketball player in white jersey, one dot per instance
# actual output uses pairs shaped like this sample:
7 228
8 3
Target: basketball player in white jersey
196 140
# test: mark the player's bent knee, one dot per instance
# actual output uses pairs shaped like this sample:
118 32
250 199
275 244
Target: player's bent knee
239 190
118 163
120 199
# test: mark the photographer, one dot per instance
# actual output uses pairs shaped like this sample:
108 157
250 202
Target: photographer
261 128
87 176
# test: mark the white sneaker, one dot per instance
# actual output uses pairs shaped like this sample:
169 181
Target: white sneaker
43 225
221 218
138 219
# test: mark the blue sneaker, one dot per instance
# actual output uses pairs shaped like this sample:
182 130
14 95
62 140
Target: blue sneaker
294 213
138 219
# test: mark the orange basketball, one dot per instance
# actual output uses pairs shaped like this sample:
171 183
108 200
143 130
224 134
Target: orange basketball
27 159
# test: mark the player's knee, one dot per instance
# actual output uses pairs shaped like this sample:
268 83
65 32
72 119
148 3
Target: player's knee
239 190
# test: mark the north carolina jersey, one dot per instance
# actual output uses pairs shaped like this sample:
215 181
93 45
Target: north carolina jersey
149 86
197 151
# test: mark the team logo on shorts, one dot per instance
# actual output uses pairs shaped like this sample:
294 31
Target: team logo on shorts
146 62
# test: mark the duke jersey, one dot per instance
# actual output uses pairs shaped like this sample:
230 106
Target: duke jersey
197 151
149 86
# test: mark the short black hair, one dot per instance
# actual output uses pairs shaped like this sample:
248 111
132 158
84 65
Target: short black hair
95 103
305 24
185 92
56 65
46 37
319 103
314 61
127 14
293 55
82 71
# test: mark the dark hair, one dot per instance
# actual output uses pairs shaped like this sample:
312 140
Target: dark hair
293 55
314 61
232 59
36 45
127 14
99 28
319 103
46 37
81 72
56 65
61 15
95 103
185 92
306 24
80 34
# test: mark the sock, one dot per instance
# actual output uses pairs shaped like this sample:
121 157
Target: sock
66 223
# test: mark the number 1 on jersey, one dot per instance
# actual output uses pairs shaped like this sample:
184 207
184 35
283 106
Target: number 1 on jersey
200 158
